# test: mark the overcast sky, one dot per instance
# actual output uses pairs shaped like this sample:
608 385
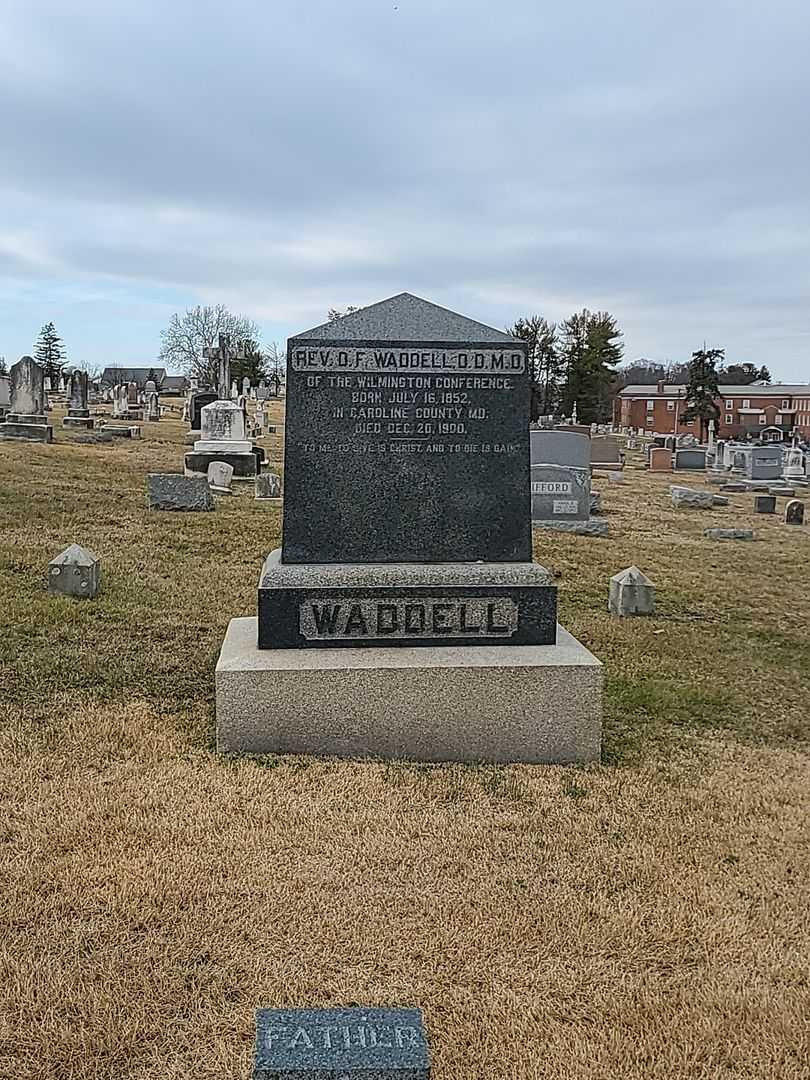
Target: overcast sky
500 158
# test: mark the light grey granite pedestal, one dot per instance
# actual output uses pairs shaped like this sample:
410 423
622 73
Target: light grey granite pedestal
527 703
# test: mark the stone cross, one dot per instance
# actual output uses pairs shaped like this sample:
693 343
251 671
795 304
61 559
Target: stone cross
223 355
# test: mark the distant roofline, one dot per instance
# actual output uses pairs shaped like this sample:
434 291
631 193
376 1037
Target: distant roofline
725 390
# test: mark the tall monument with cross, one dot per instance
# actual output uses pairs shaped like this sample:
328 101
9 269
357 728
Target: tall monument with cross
221 352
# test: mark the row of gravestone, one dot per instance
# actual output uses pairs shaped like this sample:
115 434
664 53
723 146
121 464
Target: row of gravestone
27 419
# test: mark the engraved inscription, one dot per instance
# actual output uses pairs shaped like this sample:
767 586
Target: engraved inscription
400 359
566 506
540 487
346 617
341 1037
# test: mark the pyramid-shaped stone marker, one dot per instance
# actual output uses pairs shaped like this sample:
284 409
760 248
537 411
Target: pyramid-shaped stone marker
407 432
75 572
631 593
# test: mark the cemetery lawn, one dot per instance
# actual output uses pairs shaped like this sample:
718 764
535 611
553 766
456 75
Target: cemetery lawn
646 917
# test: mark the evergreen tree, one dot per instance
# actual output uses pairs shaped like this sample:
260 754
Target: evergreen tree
590 349
252 364
743 375
152 375
545 367
50 353
702 389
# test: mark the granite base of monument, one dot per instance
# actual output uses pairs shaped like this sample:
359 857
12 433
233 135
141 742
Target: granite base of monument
85 422
519 703
362 605
244 465
27 432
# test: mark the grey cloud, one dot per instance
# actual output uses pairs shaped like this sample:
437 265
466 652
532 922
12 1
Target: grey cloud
291 156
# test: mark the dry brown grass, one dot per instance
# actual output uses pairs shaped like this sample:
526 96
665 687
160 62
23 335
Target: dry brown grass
644 918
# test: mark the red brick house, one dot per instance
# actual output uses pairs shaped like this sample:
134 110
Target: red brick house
769 412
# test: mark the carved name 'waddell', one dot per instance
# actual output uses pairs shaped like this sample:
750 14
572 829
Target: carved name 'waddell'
423 617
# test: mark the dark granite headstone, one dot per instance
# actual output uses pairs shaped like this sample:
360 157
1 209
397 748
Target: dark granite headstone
199 399
340 1044
764 504
407 432
407 513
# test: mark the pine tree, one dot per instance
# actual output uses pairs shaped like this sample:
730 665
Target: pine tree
702 389
50 353
545 367
251 364
590 349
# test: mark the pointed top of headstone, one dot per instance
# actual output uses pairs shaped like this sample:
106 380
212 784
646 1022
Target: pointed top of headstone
75 555
405 318
631 576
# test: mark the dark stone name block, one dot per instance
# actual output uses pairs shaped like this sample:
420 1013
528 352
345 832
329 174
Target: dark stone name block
356 606
340 1044
245 466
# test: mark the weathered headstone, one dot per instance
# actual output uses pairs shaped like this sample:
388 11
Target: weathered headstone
246 387
407 544
794 512
76 571
631 593
170 491
764 504
729 534
660 459
220 474
268 486
26 419
690 458
342 1044
698 500
78 414
222 438
5 394
764 463
605 451
794 464
556 447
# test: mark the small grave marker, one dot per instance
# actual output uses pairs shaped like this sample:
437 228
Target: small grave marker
340 1044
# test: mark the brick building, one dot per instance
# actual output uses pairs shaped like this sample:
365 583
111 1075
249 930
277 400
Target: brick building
771 413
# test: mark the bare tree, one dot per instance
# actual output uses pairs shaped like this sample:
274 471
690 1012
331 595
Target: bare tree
199 328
